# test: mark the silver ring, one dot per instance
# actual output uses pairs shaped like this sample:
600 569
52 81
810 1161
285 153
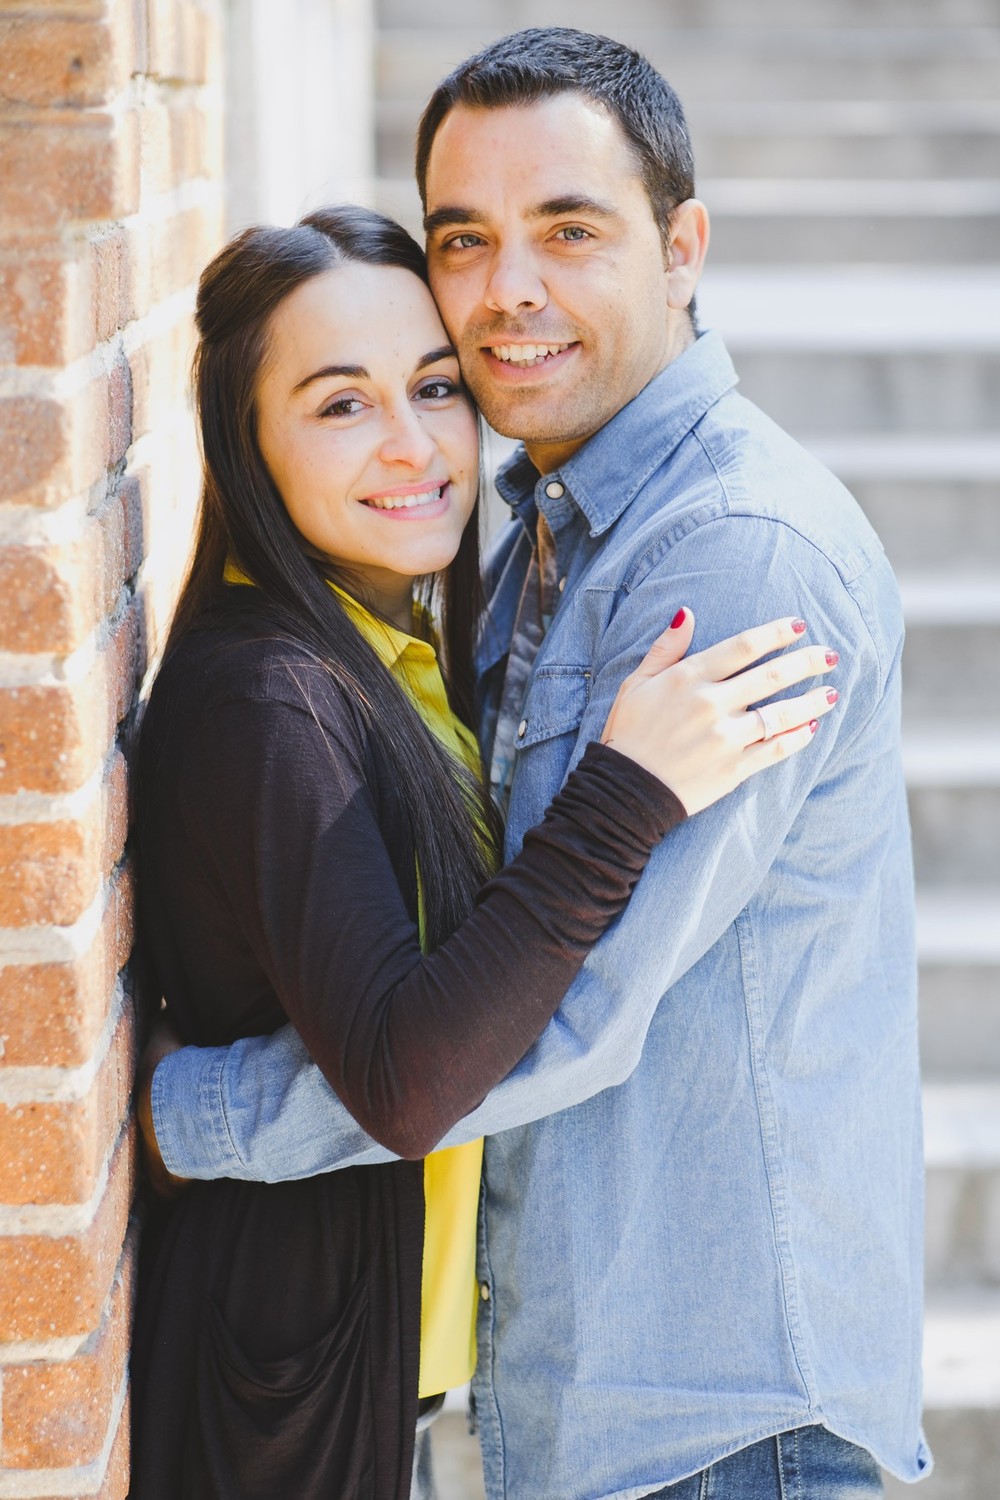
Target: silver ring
768 730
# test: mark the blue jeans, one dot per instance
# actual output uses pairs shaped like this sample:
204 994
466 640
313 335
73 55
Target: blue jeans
808 1463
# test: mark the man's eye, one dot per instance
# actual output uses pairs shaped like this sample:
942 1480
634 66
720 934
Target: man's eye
463 242
343 406
573 233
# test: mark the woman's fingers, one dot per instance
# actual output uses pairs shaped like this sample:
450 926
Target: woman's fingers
790 713
774 676
669 646
769 752
737 652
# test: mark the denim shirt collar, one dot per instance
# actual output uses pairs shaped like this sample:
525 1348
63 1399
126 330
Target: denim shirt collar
604 476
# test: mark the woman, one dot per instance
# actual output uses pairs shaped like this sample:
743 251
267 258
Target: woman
314 842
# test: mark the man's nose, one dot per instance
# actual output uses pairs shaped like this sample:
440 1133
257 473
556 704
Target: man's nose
406 439
515 284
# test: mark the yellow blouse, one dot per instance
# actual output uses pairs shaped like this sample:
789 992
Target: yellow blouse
451 1178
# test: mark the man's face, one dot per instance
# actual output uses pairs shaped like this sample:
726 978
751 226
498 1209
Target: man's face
549 268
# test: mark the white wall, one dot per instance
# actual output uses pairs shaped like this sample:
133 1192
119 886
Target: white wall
300 107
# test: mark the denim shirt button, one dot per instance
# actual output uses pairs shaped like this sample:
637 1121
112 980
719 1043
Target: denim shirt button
555 490
562 584
522 729
484 1291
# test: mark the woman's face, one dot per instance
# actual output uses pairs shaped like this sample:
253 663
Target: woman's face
365 429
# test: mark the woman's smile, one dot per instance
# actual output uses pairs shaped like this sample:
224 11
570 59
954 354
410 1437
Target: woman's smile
413 502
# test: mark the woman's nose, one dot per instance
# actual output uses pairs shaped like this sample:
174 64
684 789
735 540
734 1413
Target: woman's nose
406 439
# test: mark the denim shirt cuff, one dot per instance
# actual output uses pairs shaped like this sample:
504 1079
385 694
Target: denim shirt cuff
189 1114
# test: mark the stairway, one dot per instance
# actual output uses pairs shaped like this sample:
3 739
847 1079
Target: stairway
849 151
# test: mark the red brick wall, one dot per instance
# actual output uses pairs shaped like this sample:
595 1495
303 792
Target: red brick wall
110 203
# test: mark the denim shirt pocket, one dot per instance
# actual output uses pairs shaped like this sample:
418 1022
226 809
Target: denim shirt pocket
555 704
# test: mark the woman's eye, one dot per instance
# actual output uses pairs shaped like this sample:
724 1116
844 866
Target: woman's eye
437 390
343 406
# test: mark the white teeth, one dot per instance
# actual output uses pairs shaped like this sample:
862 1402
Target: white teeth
404 502
525 354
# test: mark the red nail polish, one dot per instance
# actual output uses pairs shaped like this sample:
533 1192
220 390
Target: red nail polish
832 695
813 725
678 620
832 658
798 626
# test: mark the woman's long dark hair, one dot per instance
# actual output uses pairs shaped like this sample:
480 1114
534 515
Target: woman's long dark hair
243 517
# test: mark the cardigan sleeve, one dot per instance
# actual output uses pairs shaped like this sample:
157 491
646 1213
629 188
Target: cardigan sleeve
281 812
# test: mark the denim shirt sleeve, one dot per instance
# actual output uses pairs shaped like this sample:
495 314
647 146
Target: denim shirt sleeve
262 1110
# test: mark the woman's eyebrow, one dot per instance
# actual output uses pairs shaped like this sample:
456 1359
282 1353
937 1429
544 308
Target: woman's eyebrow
358 372
446 351
352 372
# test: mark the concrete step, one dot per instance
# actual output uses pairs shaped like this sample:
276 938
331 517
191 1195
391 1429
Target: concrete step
592 15
949 391
829 351
953 781
742 62
844 220
847 139
962 1144
958 943
935 502
768 139
962 1397
951 661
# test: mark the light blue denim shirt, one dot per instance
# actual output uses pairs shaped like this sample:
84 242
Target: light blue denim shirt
721 1239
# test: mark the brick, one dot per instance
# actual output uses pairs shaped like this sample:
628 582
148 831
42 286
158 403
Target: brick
52 737
57 1414
168 256
56 1286
52 1153
113 302
51 871
117 1475
55 596
64 169
53 1013
52 448
181 41
45 308
52 60
161 372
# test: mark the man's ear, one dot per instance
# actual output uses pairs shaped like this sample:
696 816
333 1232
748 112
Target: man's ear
689 234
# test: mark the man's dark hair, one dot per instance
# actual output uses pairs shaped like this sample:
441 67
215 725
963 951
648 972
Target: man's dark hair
536 64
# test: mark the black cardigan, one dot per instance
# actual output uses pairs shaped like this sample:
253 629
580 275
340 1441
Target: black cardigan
277 1339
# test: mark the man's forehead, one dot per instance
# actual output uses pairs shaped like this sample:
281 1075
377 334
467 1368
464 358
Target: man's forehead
558 151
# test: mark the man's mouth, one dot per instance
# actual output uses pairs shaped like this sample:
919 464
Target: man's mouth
412 500
526 356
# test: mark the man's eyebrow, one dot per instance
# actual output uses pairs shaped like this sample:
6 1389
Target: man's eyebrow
450 214
552 208
573 203
358 372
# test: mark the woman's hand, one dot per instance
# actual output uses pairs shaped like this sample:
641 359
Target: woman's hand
162 1041
689 721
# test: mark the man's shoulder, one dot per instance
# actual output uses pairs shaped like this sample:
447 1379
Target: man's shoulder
744 478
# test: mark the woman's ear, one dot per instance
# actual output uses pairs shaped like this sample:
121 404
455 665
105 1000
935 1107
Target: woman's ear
689 235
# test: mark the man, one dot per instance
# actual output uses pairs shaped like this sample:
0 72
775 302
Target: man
706 1279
